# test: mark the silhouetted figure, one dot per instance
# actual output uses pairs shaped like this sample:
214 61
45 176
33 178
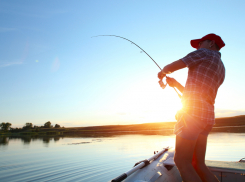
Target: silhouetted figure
196 119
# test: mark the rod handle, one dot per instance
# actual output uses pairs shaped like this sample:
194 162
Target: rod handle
120 178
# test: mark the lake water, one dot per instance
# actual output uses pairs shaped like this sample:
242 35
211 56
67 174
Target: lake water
96 159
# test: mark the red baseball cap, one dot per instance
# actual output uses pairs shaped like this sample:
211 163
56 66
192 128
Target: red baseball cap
216 38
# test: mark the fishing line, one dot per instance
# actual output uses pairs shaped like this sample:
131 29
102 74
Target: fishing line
160 82
132 43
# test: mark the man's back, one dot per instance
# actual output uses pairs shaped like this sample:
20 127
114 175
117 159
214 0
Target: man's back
206 74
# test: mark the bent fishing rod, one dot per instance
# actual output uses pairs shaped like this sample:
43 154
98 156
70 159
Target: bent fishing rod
160 82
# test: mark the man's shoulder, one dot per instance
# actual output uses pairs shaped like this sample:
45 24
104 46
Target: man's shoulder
195 57
200 50
199 53
210 52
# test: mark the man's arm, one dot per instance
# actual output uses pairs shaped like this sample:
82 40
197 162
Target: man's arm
173 83
170 68
174 66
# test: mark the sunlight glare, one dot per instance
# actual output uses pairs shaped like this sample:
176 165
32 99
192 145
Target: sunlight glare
146 102
55 65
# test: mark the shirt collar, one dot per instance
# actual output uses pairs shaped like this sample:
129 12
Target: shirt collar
217 52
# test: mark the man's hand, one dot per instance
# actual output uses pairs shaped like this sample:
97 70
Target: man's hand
161 75
171 82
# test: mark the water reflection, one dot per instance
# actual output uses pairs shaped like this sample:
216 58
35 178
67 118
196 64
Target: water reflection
4 140
83 157
46 140
96 136
26 140
56 139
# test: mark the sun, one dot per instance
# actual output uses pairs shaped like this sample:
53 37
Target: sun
145 103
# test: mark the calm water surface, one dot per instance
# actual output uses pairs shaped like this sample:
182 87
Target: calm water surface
97 159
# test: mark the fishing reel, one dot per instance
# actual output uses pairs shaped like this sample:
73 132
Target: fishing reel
161 76
162 84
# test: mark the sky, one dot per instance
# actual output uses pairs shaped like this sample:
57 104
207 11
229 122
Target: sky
52 70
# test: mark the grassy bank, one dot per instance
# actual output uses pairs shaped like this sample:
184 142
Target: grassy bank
230 124
227 124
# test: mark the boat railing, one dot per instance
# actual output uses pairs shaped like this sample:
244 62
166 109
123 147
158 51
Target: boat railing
139 165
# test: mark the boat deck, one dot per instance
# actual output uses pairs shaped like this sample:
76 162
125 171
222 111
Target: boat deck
224 166
225 171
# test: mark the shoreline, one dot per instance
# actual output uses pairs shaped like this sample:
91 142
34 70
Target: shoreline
227 124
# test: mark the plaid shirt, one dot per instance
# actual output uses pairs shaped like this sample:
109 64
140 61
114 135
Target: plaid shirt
206 74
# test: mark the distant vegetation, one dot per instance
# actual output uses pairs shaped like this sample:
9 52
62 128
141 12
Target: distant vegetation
228 124
29 128
5 126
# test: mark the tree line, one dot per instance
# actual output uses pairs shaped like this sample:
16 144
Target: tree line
27 126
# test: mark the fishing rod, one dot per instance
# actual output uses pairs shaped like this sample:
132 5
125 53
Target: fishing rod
160 82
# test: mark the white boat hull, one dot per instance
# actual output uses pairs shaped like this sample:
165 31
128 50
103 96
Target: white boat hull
163 169
157 171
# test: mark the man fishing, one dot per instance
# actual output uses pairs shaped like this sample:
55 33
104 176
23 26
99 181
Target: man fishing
196 118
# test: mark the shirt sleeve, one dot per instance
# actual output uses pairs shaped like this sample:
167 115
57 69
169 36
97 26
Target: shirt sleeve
194 58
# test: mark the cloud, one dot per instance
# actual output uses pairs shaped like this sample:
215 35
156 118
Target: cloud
41 14
7 64
31 10
4 29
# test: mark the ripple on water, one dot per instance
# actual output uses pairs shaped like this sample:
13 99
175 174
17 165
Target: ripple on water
100 159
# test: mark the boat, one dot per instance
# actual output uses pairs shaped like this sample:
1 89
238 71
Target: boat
161 168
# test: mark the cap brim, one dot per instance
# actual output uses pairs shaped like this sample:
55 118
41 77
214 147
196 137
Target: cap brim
195 43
